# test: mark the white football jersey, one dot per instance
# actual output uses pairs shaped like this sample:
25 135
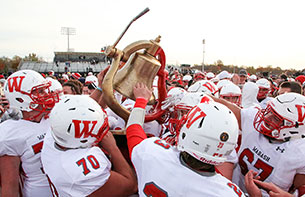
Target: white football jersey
161 173
74 172
264 102
276 162
25 139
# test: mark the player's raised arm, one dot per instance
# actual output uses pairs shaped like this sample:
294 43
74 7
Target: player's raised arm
122 180
234 108
134 132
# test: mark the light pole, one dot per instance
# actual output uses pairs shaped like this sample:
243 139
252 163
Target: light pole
203 42
68 31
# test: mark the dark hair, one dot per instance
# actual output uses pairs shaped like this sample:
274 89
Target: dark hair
195 163
76 86
294 86
265 74
283 77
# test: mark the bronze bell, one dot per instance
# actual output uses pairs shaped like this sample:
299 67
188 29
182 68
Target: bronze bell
140 67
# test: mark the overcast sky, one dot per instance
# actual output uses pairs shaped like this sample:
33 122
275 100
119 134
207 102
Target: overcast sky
238 32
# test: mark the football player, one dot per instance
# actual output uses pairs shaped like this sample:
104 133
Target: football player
21 140
187 169
73 161
272 142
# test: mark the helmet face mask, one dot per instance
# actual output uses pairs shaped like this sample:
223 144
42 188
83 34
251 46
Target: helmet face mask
41 95
262 93
231 93
189 100
283 118
268 122
232 99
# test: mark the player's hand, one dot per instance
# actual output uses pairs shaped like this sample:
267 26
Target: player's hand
171 101
273 190
4 105
251 187
108 142
101 75
141 90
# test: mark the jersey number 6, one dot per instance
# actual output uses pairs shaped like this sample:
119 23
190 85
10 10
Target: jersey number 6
266 169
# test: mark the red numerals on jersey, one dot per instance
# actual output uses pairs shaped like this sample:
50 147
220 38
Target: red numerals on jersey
236 189
92 160
162 143
152 190
266 169
37 147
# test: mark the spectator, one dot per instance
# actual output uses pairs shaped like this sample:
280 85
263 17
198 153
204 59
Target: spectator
243 75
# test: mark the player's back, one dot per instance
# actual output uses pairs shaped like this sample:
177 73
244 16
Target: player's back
160 172
74 172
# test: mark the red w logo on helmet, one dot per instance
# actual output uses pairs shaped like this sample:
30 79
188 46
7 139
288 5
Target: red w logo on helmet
301 113
192 118
13 83
85 129
210 87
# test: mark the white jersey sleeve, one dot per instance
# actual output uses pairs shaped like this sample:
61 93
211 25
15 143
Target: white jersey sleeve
11 142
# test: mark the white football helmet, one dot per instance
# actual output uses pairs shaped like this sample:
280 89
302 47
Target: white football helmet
283 117
189 100
223 82
55 86
199 76
263 83
209 133
204 86
78 121
27 89
187 78
231 92
210 75
91 79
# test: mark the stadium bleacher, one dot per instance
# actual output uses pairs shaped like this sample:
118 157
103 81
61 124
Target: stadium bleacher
62 67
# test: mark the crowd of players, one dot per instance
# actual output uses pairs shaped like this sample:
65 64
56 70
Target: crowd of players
220 135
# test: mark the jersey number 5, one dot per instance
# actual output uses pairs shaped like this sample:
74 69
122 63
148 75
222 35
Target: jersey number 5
92 160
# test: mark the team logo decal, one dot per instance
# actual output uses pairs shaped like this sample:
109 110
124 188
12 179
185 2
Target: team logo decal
224 137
